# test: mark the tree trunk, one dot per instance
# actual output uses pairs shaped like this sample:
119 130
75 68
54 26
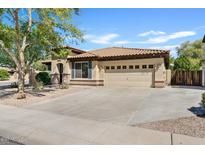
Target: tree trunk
21 78
21 94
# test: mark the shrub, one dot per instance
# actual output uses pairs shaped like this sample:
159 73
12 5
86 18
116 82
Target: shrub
4 75
203 99
38 86
43 77
14 85
63 86
39 66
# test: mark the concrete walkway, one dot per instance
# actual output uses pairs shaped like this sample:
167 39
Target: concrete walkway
41 127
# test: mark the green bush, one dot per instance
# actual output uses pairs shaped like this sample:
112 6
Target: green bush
14 85
38 87
4 75
63 86
44 77
203 99
39 66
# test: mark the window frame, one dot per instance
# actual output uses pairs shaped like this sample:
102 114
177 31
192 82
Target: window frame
118 67
137 67
107 67
144 67
124 67
150 65
89 76
131 67
112 67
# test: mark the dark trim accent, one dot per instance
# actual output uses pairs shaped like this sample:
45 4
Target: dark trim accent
65 73
159 81
82 59
46 62
80 80
55 73
86 84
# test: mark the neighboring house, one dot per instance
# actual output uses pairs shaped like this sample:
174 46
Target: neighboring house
114 66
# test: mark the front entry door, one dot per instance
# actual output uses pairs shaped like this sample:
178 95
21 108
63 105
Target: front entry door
60 69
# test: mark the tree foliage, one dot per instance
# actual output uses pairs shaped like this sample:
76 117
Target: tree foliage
6 61
186 63
190 55
194 49
60 54
39 66
27 35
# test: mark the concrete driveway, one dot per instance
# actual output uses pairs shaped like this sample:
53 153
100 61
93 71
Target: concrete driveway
123 106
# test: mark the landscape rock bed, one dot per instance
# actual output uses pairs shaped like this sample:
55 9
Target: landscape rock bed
5 141
8 96
191 126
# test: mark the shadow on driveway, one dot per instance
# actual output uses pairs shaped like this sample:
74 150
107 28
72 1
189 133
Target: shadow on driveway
198 111
189 87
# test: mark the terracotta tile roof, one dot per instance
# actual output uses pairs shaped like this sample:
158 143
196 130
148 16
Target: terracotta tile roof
75 50
119 51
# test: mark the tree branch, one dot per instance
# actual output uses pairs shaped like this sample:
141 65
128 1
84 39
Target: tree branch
9 53
24 44
16 19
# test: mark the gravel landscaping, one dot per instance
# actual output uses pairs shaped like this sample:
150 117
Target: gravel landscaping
4 141
8 95
191 126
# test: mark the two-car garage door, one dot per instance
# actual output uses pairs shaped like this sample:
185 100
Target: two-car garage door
133 78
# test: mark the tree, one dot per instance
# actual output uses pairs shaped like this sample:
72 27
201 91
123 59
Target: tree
194 49
186 63
171 62
6 61
190 55
39 66
28 34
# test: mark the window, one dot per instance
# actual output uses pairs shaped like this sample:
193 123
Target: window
112 67
151 66
144 66
137 66
107 67
118 67
82 70
124 67
78 70
131 67
49 67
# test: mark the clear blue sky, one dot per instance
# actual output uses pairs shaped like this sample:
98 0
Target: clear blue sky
143 28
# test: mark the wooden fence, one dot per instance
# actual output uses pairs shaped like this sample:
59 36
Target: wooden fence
188 78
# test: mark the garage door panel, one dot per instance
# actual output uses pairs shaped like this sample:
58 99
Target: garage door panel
136 79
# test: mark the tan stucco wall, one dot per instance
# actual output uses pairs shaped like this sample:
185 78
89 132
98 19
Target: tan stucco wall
158 62
168 76
98 68
55 72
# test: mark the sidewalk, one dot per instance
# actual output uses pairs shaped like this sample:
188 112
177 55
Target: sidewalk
40 127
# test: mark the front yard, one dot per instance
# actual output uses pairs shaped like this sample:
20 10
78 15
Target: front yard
159 109
8 95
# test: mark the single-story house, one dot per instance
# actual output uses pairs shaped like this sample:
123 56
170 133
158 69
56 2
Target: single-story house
113 66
